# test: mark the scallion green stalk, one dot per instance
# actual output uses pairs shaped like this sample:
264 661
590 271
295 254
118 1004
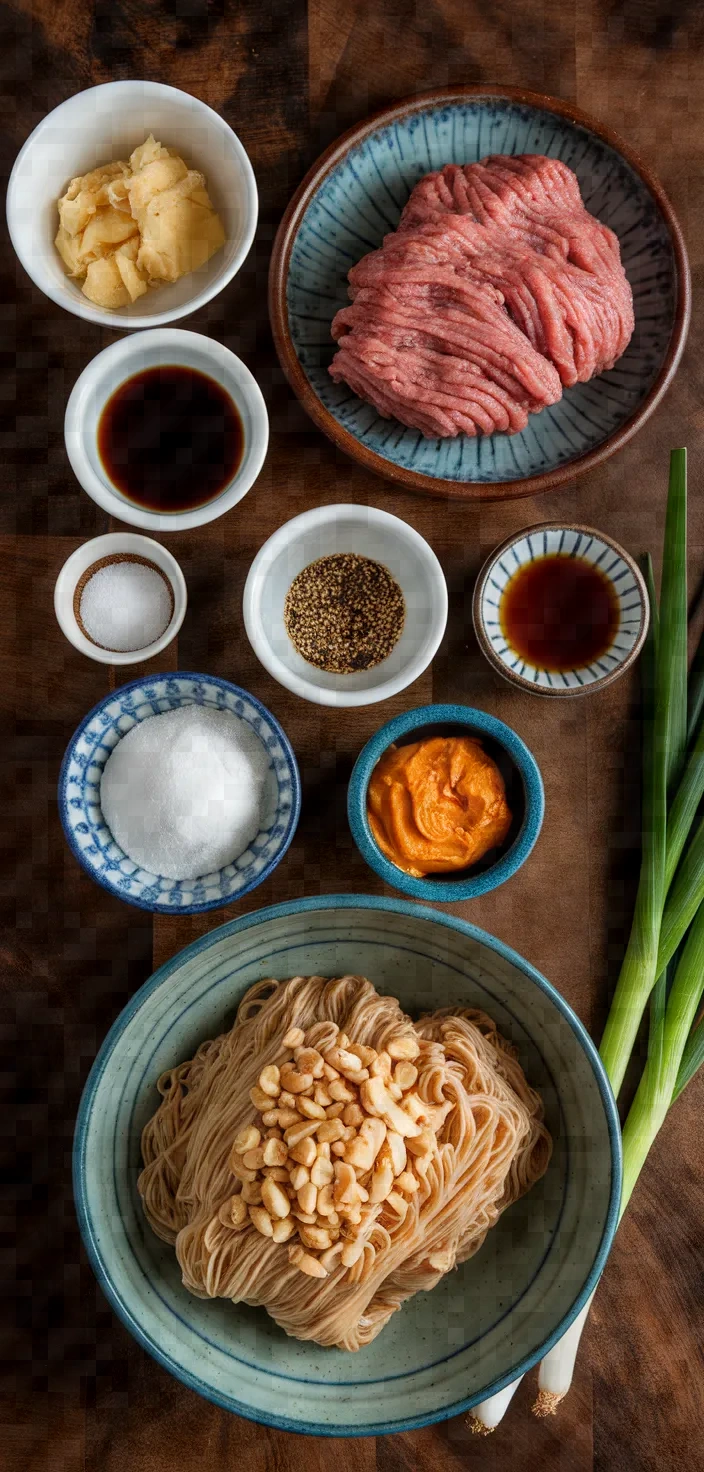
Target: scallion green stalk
692 1058
675 1052
669 1037
663 760
684 806
684 899
676 1035
695 692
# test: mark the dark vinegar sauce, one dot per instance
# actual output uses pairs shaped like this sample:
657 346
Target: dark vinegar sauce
170 439
559 612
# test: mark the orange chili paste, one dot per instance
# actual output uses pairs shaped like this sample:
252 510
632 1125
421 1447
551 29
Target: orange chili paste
437 805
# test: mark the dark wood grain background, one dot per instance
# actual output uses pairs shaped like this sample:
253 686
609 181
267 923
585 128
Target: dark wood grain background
79 1393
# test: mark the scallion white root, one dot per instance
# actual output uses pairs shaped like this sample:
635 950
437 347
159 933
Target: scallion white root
557 1366
490 1412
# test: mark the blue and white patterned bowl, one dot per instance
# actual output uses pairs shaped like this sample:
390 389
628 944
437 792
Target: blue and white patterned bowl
485 1323
524 792
550 539
353 197
89 837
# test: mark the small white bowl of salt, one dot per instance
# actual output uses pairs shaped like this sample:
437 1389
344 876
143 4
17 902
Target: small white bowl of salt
120 598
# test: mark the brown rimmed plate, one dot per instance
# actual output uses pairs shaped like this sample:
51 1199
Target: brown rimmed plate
354 195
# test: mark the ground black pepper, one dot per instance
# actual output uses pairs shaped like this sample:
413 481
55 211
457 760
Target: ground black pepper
344 613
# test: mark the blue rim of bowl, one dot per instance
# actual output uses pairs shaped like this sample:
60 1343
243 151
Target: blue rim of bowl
260 917
437 890
219 904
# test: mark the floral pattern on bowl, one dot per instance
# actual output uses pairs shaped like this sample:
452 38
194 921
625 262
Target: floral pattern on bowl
89 837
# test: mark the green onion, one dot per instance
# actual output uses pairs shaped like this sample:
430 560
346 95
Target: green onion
675 1052
676 1034
695 692
684 807
669 1037
664 754
665 676
692 1058
683 900
656 1027
661 919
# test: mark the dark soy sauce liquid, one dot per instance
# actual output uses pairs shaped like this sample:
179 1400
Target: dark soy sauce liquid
170 439
559 612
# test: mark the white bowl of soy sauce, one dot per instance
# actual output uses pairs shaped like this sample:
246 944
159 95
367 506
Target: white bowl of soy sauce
166 430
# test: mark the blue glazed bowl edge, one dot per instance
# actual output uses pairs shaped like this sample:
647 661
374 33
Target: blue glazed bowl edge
295 907
435 890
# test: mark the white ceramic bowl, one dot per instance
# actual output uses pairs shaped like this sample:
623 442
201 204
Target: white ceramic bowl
110 546
131 355
103 124
106 123
372 533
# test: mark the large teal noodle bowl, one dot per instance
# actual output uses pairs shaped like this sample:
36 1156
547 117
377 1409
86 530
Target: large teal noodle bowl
482 1325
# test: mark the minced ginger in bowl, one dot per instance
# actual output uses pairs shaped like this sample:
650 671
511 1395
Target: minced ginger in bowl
127 227
110 122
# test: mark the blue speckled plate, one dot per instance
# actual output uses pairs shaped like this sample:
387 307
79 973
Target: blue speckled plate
353 197
89 837
444 1350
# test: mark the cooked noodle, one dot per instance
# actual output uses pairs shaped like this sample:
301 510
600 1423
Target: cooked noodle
488 1146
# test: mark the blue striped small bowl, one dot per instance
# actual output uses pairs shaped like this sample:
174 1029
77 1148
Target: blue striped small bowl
547 539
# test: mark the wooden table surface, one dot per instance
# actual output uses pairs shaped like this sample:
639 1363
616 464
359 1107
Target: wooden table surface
79 1392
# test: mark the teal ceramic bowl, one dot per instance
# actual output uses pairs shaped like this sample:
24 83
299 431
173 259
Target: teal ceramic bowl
524 793
485 1323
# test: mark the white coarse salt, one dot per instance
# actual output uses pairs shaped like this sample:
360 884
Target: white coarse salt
126 605
182 793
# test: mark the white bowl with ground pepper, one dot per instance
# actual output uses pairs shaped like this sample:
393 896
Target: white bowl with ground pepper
345 605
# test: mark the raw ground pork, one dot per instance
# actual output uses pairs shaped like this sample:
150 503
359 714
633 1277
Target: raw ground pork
497 289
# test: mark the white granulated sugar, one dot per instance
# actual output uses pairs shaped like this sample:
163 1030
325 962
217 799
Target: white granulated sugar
182 792
125 606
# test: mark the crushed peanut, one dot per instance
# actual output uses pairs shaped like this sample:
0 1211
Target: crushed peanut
269 1080
247 1139
275 1152
343 1135
294 1037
